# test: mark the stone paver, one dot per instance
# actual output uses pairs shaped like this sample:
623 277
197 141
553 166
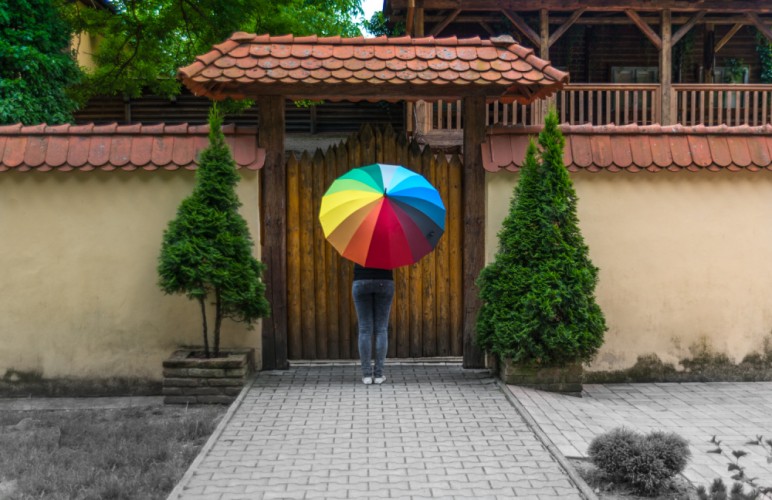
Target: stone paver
431 431
733 412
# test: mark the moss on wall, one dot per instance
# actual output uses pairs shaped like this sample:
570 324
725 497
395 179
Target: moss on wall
16 383
704 365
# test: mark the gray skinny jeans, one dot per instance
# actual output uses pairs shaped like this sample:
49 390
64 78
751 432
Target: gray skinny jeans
372 299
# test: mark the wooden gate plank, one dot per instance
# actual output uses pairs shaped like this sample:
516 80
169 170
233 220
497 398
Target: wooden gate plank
402 298
442 260
344 278
455 224
416 274
293 258
319 246
429 273
307 298
331 271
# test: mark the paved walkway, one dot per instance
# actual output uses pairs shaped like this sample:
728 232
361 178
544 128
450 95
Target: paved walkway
431 431
733 412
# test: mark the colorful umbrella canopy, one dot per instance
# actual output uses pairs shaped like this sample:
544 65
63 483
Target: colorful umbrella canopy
382 216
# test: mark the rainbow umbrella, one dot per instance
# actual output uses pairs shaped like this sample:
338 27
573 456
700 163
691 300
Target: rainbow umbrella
382 216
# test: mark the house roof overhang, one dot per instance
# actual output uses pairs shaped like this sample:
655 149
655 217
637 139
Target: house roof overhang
371 69
118 147
634 148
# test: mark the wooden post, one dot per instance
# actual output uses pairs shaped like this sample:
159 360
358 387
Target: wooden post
474 223
708 52
274 242
422 108
665 67
544 53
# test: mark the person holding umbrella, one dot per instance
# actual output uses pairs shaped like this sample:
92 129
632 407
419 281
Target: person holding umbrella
373 291
380 217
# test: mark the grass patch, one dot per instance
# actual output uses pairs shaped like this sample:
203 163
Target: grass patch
132 453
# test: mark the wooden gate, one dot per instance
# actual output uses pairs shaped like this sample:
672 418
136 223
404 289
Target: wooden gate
426 316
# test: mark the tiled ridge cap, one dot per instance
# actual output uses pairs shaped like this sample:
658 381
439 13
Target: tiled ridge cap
635 149
633 129
110 147
116 129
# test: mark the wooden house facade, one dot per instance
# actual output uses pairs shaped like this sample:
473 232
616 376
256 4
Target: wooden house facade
631 61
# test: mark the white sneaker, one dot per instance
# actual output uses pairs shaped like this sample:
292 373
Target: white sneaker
368 380
380 380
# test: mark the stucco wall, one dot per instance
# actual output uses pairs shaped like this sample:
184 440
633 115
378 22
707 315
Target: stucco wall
683 257
78 273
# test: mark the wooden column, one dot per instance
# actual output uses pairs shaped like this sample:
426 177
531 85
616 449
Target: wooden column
274 241
544 53
708 52
423 109
665 67
474 223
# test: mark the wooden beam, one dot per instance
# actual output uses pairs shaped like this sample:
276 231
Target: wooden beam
521 25
666 68
544 34
473 178
444 24
688 26
733 6
493 17
728 36
565 26
487 27
763 28
645 28
274 242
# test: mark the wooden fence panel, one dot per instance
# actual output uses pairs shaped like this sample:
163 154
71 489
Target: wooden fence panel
426 312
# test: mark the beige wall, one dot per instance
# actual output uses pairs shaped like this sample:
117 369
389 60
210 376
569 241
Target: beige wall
84 44
78 273
683 257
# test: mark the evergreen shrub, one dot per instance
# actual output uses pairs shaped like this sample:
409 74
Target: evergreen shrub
538 303
206 252
646 463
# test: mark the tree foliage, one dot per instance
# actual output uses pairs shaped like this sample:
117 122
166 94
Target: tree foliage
380 25
538 304
144 42
206 252
35 64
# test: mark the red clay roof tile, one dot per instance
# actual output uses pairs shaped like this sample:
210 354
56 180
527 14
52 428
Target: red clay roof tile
503 67
126 147
636 148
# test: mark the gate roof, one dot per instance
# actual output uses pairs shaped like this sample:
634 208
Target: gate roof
371 69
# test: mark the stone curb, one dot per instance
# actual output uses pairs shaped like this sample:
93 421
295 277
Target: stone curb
545 440
179 489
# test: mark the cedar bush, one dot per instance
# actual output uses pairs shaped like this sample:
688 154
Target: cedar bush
538 303
647 463
207 250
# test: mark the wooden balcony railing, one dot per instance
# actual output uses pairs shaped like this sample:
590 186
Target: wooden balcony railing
623 104
726 104
601 104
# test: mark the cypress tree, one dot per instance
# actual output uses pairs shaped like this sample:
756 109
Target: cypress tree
206 252
538 302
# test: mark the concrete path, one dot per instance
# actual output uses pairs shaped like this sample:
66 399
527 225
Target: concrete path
733 412
431 431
